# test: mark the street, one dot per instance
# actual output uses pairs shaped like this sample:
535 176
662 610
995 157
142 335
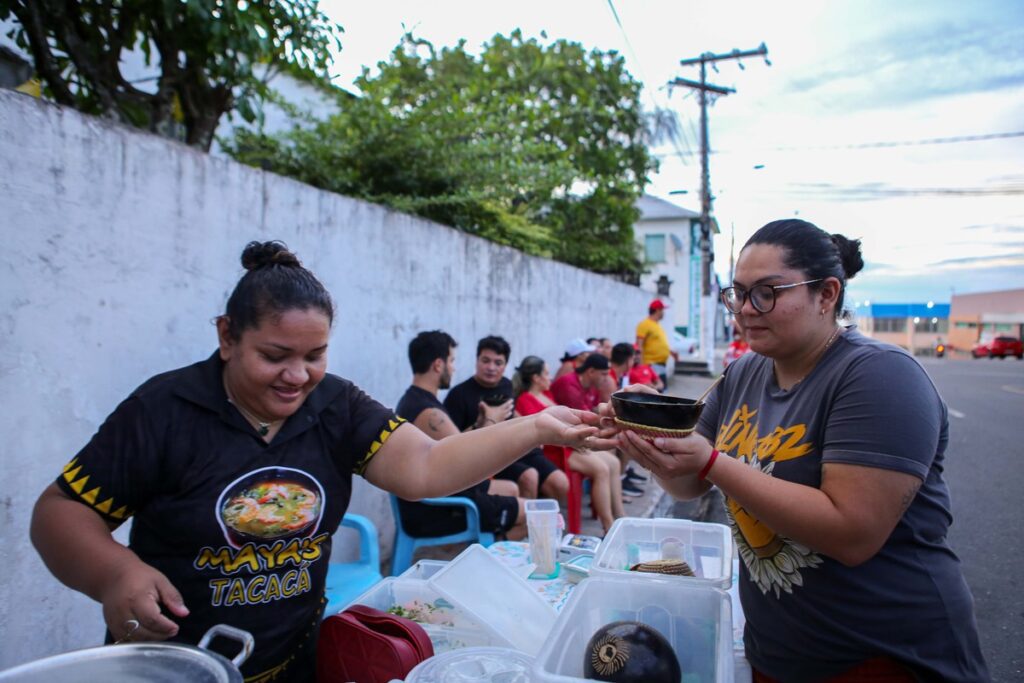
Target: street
985 476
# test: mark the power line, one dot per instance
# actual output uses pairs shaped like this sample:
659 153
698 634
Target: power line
682 147
881 144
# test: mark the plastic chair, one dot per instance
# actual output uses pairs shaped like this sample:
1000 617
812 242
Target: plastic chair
559 456
348 580
406 545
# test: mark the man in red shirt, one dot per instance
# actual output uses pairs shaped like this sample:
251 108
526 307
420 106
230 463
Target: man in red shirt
644 374
579 389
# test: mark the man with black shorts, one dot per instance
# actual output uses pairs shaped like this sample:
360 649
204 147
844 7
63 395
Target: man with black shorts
432 357
468 404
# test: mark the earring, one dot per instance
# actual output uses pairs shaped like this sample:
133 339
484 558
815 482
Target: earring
823 312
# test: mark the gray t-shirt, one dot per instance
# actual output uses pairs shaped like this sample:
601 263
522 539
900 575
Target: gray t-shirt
809 616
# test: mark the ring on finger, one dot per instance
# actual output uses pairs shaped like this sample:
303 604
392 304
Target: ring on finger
131 626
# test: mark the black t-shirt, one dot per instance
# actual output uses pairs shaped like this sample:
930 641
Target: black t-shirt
425 520
241 527
463 401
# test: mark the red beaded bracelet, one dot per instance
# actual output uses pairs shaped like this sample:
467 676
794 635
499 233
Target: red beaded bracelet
707 466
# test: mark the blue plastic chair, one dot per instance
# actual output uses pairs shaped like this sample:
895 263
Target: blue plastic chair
406 545
348 580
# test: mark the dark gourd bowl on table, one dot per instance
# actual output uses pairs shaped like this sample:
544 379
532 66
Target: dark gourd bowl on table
654 415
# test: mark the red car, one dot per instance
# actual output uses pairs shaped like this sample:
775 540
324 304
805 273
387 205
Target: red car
1000 347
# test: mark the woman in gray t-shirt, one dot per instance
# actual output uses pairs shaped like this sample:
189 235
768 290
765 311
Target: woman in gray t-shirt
829 448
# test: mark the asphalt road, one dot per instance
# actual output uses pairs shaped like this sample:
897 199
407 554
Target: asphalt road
985 473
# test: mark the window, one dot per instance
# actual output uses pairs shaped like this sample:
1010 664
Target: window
932 325
890 325
654 248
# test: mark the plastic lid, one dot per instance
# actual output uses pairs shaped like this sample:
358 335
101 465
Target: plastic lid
474 665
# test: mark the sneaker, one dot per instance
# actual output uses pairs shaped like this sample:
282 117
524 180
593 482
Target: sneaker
634 475
631 489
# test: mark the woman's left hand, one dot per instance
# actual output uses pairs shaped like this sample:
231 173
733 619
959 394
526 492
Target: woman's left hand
574 428
667 458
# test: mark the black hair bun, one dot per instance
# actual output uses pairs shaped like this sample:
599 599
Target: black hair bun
261 254
849 254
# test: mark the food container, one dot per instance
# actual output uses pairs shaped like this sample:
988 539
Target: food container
695 618
423 569
474 665
706 548
496 596
449 626
140 663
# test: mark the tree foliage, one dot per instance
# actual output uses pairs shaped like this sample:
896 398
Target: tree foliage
539 147
204 51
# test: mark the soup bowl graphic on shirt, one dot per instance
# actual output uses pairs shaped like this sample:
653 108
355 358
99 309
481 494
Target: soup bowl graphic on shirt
270 504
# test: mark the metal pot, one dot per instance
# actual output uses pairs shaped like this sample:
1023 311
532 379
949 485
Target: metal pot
141 662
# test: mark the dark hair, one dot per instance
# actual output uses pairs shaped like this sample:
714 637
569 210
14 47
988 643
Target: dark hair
594 361
621 353
813 251
527 370
426 347
275 283
496 344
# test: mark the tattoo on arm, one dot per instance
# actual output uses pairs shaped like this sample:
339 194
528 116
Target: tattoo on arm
435 422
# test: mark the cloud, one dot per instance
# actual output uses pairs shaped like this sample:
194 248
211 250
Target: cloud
994 260
914 63
996 227
880 190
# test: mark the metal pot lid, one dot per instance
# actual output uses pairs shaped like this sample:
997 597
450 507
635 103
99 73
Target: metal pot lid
135 663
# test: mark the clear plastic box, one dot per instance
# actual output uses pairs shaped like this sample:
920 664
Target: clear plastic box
474 665
449 626
496 596
423 569
707 548
696 618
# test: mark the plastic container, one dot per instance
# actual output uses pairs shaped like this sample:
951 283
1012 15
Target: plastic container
695 618
494 595
706 548
544 530
474 665
449 626
423 569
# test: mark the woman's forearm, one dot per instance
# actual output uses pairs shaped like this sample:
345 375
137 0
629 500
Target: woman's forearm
849 524
460 461
76 544
685 487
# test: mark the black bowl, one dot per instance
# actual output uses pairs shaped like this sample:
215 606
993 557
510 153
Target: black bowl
495 400
656 414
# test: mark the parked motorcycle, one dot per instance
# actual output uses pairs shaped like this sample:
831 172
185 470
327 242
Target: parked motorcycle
940 350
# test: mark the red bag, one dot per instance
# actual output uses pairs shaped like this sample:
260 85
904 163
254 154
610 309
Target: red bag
365 645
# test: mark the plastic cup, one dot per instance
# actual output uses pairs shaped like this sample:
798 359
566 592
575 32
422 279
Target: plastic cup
544 529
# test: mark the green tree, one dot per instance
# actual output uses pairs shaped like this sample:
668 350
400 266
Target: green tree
206 55
539 147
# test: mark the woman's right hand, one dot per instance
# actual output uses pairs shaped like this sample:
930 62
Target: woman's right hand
135 594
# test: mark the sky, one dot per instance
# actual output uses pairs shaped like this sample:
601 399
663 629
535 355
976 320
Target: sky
900 124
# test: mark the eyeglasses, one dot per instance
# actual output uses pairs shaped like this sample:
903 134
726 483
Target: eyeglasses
762 297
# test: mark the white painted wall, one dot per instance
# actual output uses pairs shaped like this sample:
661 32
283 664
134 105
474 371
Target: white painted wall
119 248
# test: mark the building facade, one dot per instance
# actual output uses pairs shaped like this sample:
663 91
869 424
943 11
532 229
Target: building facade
669 237
915 327
978 318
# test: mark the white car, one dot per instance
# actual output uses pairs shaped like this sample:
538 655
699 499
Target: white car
683 346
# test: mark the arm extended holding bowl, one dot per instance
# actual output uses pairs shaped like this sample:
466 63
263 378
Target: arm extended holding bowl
77 546
413 466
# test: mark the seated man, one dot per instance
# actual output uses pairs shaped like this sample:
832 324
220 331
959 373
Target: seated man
642 373
468 405
432 356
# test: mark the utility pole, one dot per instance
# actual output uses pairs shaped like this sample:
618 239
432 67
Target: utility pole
707 317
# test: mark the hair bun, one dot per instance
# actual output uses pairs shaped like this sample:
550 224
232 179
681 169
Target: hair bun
261 254
849 254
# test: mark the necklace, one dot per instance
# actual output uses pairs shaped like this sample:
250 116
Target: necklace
835 335
262 428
